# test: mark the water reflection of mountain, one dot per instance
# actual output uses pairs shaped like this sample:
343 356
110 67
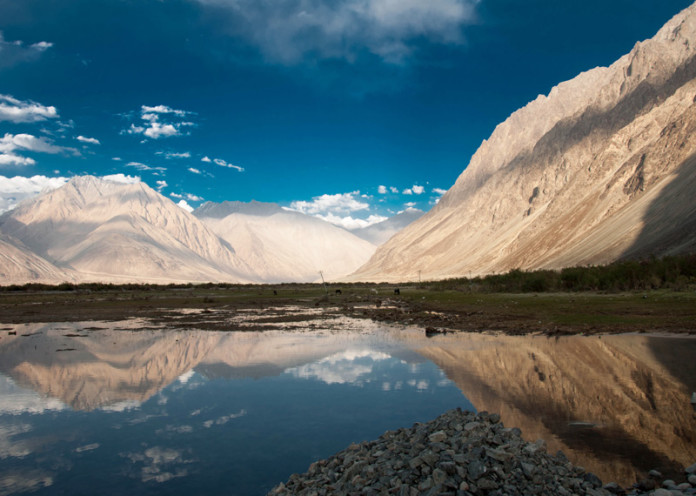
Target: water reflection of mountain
608 402
618 405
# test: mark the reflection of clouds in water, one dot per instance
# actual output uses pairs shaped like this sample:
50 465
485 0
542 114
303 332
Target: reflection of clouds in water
224 419
121 406
15 400
24 481
178 429
421 385
87 447
184 378
10 448
341 368
160 464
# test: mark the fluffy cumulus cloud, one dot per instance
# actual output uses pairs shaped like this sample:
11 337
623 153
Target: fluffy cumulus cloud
11 144
184 204
382 190
15 189
290 31
18 111
122 178
14 52
88 141
160 121
439 191
341 203
161 185
338 209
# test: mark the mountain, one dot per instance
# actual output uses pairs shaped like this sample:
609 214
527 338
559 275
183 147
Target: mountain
283 245
380 233
20 266
114 232
600 169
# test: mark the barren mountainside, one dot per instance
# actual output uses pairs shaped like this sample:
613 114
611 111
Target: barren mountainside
282 245
600 169
110 232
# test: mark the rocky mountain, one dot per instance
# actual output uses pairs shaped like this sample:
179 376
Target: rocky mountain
380 233
283 245
601 168
106 231
20 266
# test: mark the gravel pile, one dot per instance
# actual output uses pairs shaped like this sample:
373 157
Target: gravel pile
458 453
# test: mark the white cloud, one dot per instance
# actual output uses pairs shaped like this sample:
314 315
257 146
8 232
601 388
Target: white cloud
144 167
341 203
90 141
349 222
418 190
160 121
11 143
184 204
407 191
223 163
28 142
13 52
382 190
12 159
347 367
206 159
439 191
161 185
393 189
191 197
224 419
410 204
122 178
194 170
290 31
117 159
18 111
169 155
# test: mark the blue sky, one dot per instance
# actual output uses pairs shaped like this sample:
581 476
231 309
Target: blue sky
312 104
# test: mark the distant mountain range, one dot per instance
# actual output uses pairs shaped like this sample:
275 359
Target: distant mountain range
602 168
94 229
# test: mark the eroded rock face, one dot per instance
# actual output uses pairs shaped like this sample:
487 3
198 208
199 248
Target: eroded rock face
599 169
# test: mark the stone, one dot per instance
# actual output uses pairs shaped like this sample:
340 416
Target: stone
691 469
437 437
692 479
476 469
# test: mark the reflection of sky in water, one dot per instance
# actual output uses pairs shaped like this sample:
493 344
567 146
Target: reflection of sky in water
214 436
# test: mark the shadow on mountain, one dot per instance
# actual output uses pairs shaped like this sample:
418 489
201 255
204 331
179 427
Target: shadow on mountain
670 221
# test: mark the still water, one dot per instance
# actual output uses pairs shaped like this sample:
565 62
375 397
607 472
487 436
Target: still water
109 408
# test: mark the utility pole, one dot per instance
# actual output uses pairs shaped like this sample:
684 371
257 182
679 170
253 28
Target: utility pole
321 273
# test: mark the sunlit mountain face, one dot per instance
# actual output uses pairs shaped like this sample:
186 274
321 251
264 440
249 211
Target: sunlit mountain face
190 406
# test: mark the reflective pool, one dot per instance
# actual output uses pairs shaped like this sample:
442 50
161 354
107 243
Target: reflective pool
107 408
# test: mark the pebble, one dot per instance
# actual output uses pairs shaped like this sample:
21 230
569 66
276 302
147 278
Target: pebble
461 454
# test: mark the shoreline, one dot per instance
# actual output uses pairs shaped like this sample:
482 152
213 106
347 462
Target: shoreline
463 454
551 314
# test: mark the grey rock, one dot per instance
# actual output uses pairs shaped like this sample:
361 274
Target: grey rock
476 469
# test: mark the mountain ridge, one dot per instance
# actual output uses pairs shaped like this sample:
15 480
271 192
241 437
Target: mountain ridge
572 178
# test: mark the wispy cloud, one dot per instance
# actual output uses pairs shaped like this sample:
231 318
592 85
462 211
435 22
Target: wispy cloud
439 191
292 31
161 185
13 52
170 155
222 163
187 196
144 167
122 178
160 121
193 170
18 111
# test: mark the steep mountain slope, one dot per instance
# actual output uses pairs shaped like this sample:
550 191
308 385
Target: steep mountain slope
19 265
601 168
282 245
109 231
380 233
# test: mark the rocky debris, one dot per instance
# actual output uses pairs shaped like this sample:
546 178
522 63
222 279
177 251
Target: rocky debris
460 454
